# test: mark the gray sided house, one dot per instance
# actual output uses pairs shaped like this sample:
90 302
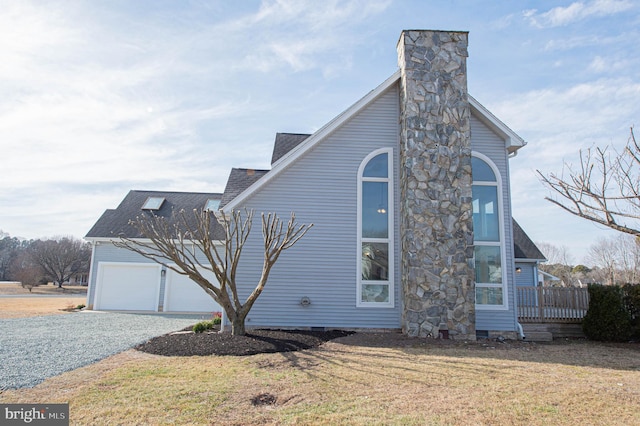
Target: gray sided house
409 194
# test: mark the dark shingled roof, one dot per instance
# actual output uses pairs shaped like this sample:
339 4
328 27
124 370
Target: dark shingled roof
523 247
284 143
239 180
115 222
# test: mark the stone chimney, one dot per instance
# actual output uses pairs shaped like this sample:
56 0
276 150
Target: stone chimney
436 224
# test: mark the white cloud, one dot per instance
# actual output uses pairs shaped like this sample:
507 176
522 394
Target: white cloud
576 11
603 65
302 35
569 43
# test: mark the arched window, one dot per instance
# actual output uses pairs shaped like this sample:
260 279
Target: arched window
375 230
491 289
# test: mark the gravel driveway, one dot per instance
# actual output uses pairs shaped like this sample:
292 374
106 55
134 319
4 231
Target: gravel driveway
33 349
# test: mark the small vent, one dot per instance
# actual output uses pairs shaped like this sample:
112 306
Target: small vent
482 334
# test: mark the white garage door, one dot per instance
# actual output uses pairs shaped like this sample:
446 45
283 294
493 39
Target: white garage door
128 286
183 295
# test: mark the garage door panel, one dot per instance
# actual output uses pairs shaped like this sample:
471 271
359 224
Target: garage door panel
184 295
128 287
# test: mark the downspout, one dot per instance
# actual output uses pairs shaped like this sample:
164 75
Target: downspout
91 288
520 331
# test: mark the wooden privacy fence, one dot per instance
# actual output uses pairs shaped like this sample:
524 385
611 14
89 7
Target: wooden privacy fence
552 304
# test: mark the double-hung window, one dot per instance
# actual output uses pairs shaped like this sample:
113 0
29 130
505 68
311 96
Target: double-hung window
491 288
375 230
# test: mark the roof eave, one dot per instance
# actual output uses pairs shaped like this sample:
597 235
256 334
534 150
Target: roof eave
290 157
120 239
513 142
527 260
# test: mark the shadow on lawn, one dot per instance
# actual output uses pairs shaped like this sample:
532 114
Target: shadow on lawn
288 342
575 352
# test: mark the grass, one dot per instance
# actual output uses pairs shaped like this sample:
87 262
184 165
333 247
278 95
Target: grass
23 307
23 304
348 382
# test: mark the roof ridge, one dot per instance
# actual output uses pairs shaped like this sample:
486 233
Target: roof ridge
175 192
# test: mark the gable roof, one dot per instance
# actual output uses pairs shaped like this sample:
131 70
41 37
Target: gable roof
293 147
239 180
115 222
523 247
285 142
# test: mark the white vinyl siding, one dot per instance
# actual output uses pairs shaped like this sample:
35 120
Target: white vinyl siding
321 187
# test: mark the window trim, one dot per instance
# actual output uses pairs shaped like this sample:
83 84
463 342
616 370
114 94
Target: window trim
501 233
390 234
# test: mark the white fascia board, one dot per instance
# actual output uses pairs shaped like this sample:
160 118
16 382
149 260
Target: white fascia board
311 141
117 240
551 277
513 142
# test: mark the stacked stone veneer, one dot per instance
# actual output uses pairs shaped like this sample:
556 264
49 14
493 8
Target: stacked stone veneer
436 224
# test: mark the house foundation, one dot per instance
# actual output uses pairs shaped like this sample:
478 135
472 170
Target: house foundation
436 224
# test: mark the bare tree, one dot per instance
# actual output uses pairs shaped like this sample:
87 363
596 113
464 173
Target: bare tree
628 258
9 248
604 254
180 245
605 188
61 258
559 262
27 271
617 259
555 254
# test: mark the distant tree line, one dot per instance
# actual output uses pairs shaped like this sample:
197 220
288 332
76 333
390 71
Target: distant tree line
35 262
614 260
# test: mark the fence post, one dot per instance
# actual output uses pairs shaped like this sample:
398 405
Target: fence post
541 303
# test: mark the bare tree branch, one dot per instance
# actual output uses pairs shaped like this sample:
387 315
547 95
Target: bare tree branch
187 247
610 197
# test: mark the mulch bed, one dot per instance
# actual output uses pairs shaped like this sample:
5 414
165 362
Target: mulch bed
187 343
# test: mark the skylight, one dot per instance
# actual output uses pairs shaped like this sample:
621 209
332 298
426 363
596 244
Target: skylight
212 205
153 203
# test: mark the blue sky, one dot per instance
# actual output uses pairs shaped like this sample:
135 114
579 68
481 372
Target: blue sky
97 98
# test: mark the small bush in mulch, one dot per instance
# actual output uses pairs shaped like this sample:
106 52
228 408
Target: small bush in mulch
187 343
208 325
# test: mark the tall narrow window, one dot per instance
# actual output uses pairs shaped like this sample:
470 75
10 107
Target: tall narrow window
491 287
375 230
